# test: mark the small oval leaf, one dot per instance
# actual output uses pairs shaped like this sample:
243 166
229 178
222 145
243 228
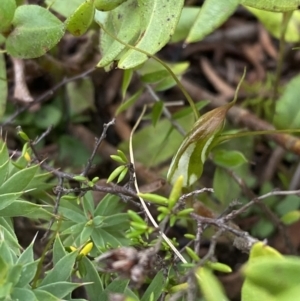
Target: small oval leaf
35 32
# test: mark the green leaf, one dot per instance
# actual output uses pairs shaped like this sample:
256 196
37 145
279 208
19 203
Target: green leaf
79 22
24 208
14 274
8 236
96 287
127 76
225 188
155 288
291 294
158 22
27 255
273 23
27 274
192 153
45 296
3 82
228 158
186 21
23 294
4 156
130 101
61 271
7 11
209 285
36 31
250 291
116 286
156 112
60 289
109 205
273 5
81 96
213 14
291 217
19 181
262 270
123 22
48 115
287 113
64 8
58 250
115 173
107 5
7 199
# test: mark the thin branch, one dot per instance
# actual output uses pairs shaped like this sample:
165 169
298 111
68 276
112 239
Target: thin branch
98 142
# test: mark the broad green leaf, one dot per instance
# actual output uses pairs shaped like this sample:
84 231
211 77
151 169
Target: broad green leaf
27 255
106 5
96 287
156 288
25 208
287 110
60 289
123 22
19 181
64 7
7 11
14 274
291 217
27 274
186 21
225 187
289 295
109 205
110 236
81 96
9 198
45 296
61 271
273 5
287 204
228 158
273 23
213 14
209 285
261 273
3 83
48 115
36 31
58 250
193 151
9 237
79 22
251 291
158 21
23 294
